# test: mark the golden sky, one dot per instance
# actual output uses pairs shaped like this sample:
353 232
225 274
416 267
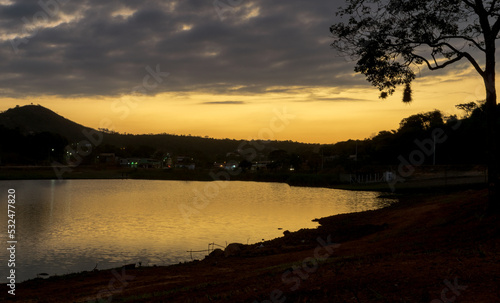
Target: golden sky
313 121
204 70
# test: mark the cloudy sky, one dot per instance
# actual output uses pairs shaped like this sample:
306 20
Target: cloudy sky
223 68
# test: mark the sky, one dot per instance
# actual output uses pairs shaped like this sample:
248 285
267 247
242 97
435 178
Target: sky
242 69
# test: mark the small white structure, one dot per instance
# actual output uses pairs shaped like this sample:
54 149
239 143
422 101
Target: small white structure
388 176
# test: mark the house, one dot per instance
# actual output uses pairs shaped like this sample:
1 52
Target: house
140 163
185 162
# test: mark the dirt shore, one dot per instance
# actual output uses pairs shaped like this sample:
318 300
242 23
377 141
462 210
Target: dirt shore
427 248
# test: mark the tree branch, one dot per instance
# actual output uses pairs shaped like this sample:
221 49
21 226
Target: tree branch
462 54
466 39
483 16
434 58
429 65
479 5
492 7
496 27
436 44
439 44
470 4
475 64
482 13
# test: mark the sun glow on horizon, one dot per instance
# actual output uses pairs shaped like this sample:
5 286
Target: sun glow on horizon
321 115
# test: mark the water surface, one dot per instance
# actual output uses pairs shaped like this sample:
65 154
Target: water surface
70 226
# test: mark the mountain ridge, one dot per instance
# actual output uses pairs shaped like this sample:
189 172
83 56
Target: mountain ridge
32 119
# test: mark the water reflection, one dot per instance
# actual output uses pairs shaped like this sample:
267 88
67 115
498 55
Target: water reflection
69 226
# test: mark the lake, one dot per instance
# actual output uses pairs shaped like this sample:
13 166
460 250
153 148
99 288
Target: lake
70 226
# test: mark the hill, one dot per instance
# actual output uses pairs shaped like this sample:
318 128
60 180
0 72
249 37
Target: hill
32 119
461 144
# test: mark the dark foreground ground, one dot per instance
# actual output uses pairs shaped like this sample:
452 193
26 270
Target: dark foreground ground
427 248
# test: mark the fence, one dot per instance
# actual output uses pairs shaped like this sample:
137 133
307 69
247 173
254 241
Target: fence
211 248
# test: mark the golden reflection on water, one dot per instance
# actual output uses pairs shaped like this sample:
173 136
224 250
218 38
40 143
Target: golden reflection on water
68 226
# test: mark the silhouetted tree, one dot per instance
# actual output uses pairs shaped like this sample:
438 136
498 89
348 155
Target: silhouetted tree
468 108
391 39
422 122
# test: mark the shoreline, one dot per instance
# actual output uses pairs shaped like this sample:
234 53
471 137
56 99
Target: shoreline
31 270
428 182
433 232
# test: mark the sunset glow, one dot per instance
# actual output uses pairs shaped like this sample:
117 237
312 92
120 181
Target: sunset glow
225 82
220 116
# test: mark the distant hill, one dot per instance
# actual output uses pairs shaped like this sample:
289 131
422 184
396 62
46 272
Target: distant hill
37 132
32 119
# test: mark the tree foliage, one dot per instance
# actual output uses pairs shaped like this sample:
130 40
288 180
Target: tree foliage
392 39
422 122
467 107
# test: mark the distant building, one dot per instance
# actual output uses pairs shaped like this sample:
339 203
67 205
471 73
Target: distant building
389 176
167 162
364 178
140 163
149 163
185 162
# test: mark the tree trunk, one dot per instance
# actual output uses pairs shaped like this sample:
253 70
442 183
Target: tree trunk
491 116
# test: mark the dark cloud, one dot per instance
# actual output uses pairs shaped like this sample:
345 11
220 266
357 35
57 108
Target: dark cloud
18 10
94 47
